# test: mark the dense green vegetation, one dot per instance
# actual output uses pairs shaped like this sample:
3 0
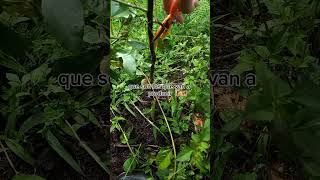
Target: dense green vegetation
39 118
267 131
183 57
280 122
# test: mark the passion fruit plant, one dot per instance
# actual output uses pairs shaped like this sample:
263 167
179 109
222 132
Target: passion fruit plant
167 138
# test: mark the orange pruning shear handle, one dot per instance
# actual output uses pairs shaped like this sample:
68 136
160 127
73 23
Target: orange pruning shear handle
166 24
164 28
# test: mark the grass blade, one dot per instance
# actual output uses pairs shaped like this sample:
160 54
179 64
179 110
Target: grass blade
56 145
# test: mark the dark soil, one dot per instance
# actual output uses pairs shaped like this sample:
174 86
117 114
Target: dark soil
142 133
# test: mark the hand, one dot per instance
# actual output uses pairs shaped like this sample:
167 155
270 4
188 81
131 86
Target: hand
188 6
184 6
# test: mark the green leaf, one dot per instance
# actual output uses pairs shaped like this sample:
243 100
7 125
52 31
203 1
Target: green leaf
31 122
39 74
130 164
273 86
13 78
246 62
163 159
262 51
232 120
119 10
296 45
15 147
129 109
56 145
242 67
65 20
11 63
89 115
95 157
137 44
185 154
274 6
307 94
262 143
91 35
86 147
129 62
312 167
27 177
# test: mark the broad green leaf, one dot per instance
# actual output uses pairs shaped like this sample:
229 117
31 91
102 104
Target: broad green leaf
242 67
246 62
15 147
232 125
163 159
185 154
262 51
137 44
272 85
65 20
129 62
91 35
27 177
130 164
119 10
57 146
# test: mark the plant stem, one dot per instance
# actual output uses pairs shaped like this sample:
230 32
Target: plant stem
150 35
8 158
171 136
149 121
169 129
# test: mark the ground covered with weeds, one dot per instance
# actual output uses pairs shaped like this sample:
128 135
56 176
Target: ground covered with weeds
168 137
267 130
48 131
264 130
